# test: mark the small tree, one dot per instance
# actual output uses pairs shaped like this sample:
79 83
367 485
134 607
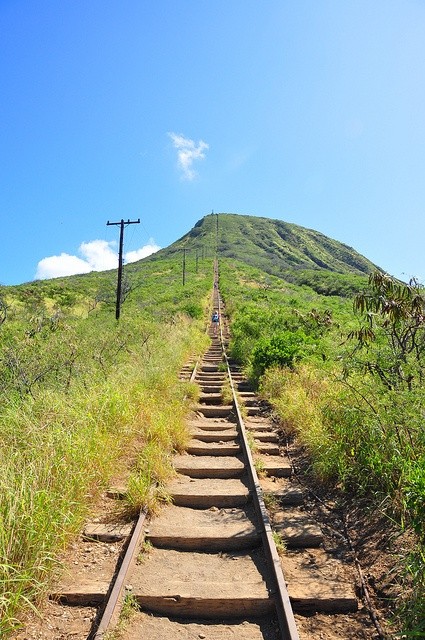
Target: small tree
3 311
393 323
282 349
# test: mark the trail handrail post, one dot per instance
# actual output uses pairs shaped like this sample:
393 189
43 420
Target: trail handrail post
121 224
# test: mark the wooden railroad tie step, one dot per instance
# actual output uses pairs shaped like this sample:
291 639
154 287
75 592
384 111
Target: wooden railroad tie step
204 530
250 402
210 388
215 385
322 597
209 466
85 593
214 411
211 424
214 436
210 375
259 427
254 411
274 465
109 532
206 493
159 627
268 448
209 586
282 491
297 529
198 448
257 422
265 436
317 582
210 398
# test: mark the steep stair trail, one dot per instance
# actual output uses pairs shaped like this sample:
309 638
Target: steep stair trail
207 574
207 566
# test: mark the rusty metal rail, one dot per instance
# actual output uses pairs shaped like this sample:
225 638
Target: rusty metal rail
114 601
283 605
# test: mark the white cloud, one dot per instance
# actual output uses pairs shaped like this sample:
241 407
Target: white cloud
99 255
187 152
143 252
63 265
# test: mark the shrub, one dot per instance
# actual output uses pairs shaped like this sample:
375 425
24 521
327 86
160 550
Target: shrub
414 494
282 349
193 310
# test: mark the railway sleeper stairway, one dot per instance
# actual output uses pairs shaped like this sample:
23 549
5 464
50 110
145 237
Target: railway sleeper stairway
205 571
206 561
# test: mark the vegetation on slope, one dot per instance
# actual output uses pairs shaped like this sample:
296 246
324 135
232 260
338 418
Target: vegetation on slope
349 383
76 389
286 250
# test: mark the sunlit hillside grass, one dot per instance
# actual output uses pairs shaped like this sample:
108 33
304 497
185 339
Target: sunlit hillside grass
293 253
349 384
150 285
76 390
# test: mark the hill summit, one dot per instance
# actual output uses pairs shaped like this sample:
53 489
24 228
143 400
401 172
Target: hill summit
282 249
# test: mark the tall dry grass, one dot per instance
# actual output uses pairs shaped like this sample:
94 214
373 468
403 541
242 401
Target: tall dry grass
60 446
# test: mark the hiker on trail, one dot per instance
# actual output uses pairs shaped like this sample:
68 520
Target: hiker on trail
215 320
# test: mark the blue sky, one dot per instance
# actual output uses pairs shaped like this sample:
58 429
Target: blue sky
309 111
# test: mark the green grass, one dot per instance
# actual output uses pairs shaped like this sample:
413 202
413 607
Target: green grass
279 542
277 248
361 425
78 394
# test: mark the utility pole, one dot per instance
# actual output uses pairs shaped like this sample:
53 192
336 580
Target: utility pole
121 224
184 267
216 235
196 260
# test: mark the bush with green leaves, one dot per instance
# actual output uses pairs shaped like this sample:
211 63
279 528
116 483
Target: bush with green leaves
414 495
282 349
390 341
193 310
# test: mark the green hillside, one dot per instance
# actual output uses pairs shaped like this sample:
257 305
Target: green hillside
289 251
77 389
